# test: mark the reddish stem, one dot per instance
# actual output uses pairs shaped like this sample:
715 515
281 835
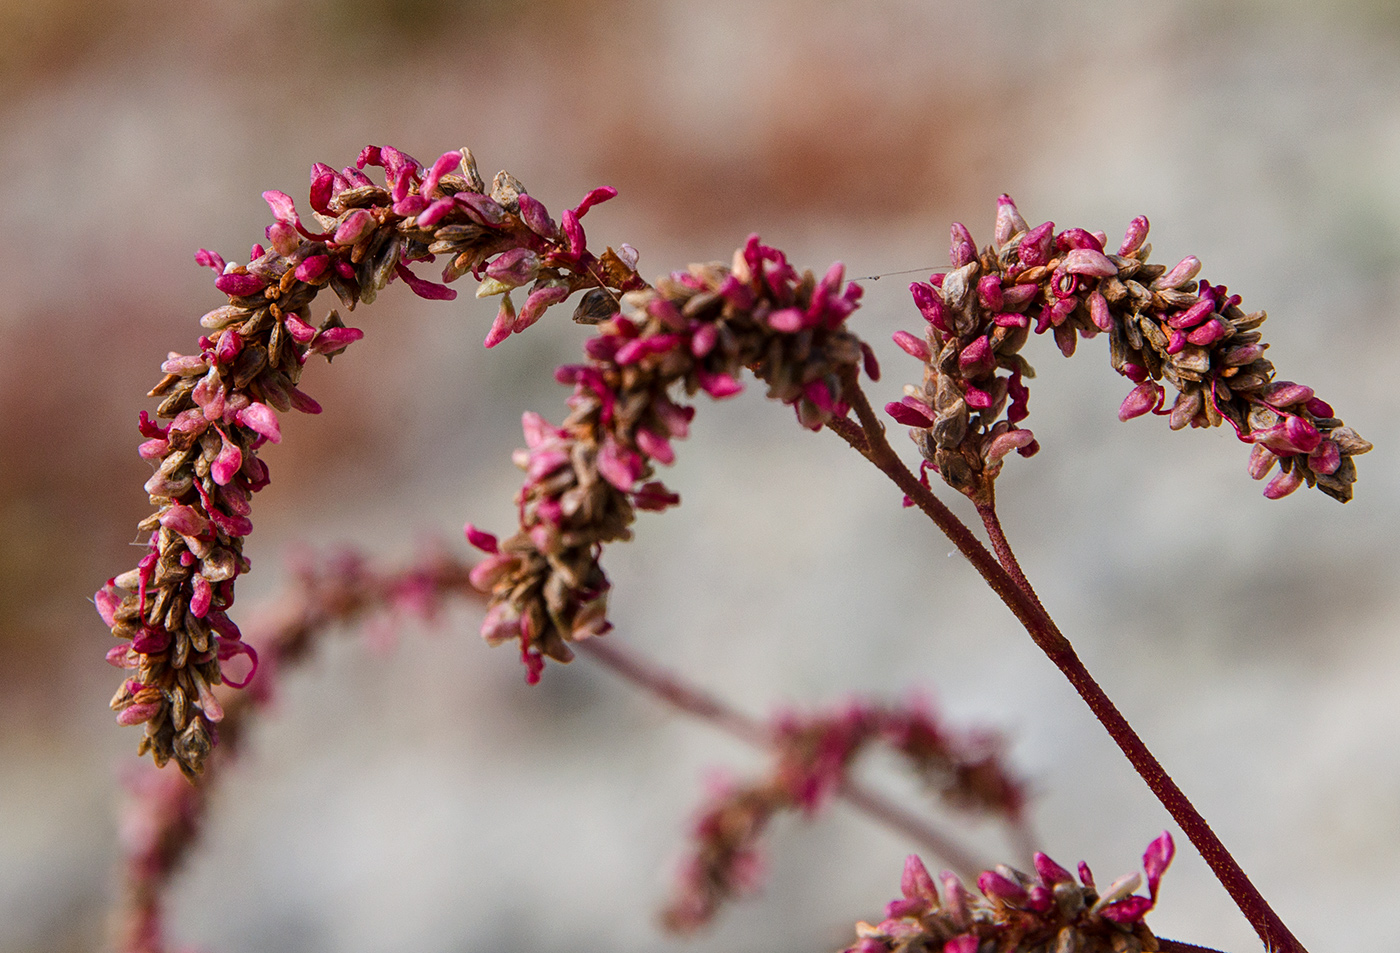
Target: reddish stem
1043 631
667 687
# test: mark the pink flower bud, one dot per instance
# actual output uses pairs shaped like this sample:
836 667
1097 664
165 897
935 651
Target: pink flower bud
1184 271
1261 461
261 419
1286 394
210 259
536 217
1208 333
998 887
929 303
447 162
718 385
1136 235
1245 354
911 345
1009 220
977 358
237 285
1035 246
1157 859
1193 315
1326 458
911 412
283 238
283 208
963 249
989 293
356 226
1145 397
313 267
1005 443
1087 261
1051 874
1284 484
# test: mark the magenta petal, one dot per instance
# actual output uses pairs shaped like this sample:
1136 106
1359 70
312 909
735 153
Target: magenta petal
1128 910
997 887
356 226
911 413
911 345
1326 458
238 286
1141 399
335 340
423 288
283 208
482 540
703 340
595 197
447 162
1136 235
210 259
1086 261
202 597
230 648
1156 859
312 268
719 385
107 600
967 943
1284 484
1050 872
227 463
536 217
915 883
261 419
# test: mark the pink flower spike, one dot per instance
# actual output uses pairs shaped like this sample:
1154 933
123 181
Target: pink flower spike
915 883
261 419
210 259
283 208
356 226
1086 261
1156 859
481 539
313 267
1145 397
1009 220
911 345
1136 235
595 197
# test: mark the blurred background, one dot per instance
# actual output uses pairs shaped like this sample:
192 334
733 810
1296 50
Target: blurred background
422 797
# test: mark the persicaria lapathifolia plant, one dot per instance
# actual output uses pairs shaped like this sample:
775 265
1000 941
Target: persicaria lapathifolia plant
694 330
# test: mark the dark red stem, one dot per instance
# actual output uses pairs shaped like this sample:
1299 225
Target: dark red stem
1043 631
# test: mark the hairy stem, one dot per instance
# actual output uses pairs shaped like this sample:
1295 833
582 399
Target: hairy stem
1043 631
669 688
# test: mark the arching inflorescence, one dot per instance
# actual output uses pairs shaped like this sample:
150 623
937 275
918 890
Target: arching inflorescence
1162 325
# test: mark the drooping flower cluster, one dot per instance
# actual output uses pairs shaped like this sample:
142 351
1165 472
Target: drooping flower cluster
1018 913
1162 325
162 819
696 330
814 756
222 402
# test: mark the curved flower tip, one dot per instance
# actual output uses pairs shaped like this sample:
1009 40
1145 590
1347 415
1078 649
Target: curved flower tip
1156 859
916 884
482 540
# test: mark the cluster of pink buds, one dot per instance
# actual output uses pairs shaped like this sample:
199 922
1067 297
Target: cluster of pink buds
1162 325
696 330
814 756
1017 912
223 402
